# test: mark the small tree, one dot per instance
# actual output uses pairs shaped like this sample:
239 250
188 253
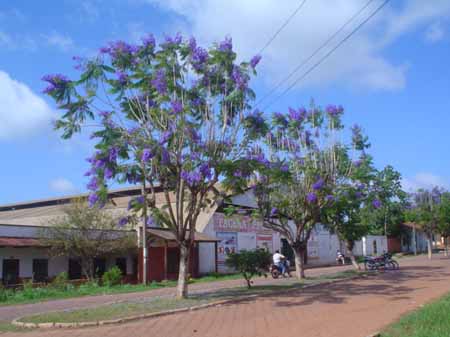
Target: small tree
250 263
424 211
171 117
443 226
86 233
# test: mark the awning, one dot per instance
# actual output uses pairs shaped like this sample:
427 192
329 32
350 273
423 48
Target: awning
168 235
19 242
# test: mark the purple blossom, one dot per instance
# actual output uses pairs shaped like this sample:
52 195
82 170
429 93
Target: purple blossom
92 199
108 173
93 184
165 157
280 119
149 41
176 106
105 50
361 186
99 163
205 170
376 203
159 82
56 82
226 45
284 168
334 110
122 77
147 154
150 221
297 115
90 172
311 197
169 41
135 202
358 194
118 49
318 185
357 163
273 211
191 178
199 58
192 44
113 152
165 136
329 198
255 60
238 78
123 221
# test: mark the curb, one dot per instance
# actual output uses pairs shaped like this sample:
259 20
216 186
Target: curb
17 322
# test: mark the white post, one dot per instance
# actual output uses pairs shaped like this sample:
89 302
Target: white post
145 253
364 248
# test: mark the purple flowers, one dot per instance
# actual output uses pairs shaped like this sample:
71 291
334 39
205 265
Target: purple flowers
56 82
191 178
108 173
149 41
226 45
376 204
334 110
118 49
134 202
199 58
123 221
92 199
297 115
273 212
93 184
238 78
113 152
172 41
329 198
122 77
147 154
318 185
150 221
311 197
159 82
255 60
176 107
205 170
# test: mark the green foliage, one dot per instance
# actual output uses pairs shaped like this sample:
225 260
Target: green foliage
60 281
86 233
112 277
250 263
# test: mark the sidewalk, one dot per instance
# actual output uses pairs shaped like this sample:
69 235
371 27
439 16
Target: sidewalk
10 312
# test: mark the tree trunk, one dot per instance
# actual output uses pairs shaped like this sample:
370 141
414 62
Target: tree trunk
430 248
182 287
446 246
299 254
352 256
87 268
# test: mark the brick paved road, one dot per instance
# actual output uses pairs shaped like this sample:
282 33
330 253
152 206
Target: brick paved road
11 312
348 309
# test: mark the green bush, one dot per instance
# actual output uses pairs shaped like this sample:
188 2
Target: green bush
250 263
60 281
112 277
4 293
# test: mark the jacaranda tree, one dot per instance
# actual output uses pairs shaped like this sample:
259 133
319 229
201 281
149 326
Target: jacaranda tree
294 181
170 117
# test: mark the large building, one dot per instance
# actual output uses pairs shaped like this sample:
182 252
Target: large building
22 255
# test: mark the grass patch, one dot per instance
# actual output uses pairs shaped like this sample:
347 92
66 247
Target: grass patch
429 321
155 304
33 295
8 327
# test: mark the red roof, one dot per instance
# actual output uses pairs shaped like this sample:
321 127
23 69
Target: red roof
19 242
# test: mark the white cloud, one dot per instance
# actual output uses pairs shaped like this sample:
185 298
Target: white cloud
62 185
22 112
423 180
63 42
361 62
434 33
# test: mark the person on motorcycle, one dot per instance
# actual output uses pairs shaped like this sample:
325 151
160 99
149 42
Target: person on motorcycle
279 261
340 258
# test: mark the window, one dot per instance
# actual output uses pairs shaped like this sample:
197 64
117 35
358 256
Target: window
40 270
121 263
173 260
99 267
375 247
10 274
74 269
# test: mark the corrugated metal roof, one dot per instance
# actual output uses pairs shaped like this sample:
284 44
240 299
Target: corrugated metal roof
19 242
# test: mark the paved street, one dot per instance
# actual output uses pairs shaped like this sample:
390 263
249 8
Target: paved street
11 312
353 308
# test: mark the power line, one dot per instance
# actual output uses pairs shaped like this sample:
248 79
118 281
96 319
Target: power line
315 52
282 27
356 29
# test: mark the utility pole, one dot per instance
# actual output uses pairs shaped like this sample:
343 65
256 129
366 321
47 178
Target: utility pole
144 228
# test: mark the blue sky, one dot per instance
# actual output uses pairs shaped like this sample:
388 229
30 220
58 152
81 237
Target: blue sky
393 77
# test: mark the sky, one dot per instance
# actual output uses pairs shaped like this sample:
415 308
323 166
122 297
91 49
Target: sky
392 76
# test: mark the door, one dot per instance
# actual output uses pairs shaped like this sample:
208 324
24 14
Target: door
74 269
155 266
10 272
40 270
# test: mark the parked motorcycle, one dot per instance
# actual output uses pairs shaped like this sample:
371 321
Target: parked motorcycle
384 261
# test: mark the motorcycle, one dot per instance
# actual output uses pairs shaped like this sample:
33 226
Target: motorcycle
275 271
384 261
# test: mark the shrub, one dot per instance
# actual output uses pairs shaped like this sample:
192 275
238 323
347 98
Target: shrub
4 293
250 263
112 277
60 281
